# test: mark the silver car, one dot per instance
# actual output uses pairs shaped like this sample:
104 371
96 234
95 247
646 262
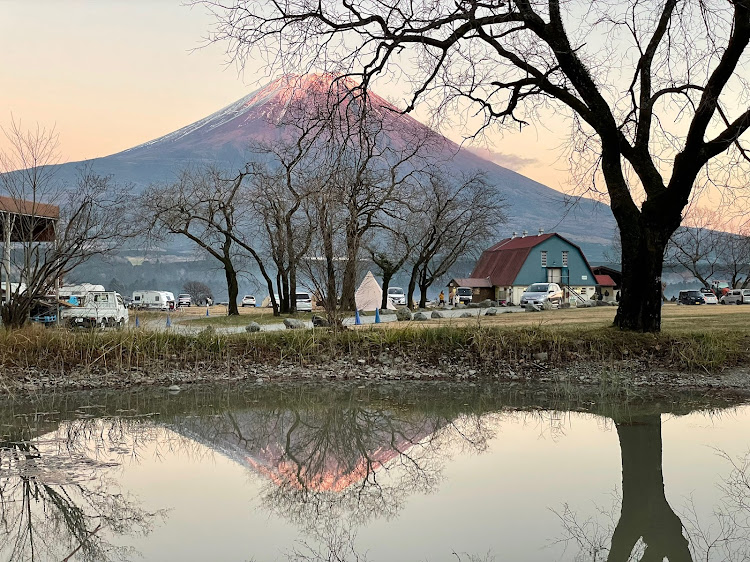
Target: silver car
539 293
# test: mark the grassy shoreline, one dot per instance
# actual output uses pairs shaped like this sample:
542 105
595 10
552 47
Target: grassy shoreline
695 349
699 346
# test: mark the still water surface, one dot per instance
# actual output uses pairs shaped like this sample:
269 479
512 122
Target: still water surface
423 473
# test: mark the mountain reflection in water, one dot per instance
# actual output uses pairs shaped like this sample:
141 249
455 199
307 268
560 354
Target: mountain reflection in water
330 462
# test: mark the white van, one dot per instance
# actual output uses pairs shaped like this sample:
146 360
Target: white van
153 300
96 309
736 296
462 295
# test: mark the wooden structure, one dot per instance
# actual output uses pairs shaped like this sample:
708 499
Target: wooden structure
24 221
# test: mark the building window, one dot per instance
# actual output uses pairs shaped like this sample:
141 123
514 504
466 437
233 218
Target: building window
544 259
565 259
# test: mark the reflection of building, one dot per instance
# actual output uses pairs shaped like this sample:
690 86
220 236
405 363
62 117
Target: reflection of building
513 264
318 451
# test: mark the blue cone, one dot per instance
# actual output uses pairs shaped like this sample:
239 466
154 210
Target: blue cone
206 310
169 321
137 322
377 316
357 319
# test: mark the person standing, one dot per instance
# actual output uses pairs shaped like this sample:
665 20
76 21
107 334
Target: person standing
442 298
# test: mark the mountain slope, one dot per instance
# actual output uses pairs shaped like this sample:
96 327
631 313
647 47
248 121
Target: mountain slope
223 138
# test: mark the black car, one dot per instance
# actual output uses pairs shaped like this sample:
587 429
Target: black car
691 297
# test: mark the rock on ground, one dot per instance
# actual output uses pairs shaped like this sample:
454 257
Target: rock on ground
293 324
492 311
320 322
421 316
437 314
403 314
252 327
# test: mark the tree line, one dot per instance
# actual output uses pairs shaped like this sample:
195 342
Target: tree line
346 180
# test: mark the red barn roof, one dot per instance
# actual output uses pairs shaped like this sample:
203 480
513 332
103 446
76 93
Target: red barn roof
502 262
604 281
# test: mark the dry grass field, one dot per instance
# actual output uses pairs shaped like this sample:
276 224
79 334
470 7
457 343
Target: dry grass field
676 319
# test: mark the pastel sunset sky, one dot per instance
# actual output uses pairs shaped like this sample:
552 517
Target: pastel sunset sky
111 74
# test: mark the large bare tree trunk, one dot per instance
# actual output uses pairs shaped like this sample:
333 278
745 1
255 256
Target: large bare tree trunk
232 288
645 511
387 276
349 279
412 286
644 239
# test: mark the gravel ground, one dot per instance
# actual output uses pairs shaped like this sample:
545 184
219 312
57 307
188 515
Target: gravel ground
627 378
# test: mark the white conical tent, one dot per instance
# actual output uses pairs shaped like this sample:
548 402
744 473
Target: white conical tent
369 295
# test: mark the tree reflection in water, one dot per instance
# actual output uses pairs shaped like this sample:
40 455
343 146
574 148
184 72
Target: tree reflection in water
648 529
339 461
57 501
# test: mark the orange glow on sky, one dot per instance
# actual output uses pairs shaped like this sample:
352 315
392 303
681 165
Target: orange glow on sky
111 75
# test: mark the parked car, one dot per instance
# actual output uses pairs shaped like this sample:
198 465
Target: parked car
691 297
539 293
462 295
248 300
276 298
304 302
184 300
397 296
736 296
709 296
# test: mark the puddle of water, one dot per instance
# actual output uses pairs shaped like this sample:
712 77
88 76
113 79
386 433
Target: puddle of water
413 472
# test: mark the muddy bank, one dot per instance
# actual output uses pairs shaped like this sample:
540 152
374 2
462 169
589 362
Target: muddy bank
626 379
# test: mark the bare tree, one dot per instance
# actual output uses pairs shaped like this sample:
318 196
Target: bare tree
202 206
652 109
698 247
707 251
734 255
49 229
391 250
200 292
454 220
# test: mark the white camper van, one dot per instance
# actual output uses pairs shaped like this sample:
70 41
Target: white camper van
154 300
96 309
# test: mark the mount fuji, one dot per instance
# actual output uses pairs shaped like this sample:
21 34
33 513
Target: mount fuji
224 136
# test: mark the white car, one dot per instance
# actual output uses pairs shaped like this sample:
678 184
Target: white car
396 296
539 293
248 300
184 300
709 297
304 302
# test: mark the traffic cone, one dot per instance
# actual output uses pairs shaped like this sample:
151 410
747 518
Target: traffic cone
377 316
206 310
137 322
169 321
357 319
